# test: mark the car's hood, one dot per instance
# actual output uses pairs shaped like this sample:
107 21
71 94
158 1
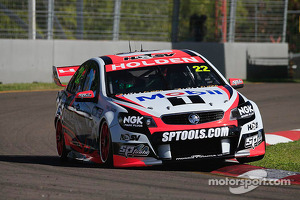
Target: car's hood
181 100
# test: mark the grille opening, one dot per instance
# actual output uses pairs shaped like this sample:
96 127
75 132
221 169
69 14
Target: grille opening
182 119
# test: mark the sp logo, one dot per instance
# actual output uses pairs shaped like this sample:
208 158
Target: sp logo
253 141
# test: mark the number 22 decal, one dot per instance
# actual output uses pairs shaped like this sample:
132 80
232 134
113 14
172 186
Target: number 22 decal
201 68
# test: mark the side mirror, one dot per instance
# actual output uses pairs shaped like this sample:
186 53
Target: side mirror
85 96
236 83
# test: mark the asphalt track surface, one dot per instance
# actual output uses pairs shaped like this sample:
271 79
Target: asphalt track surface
30 168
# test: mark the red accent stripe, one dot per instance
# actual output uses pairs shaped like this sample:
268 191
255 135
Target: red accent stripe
128 100
69 130
258 151
120 161
72 102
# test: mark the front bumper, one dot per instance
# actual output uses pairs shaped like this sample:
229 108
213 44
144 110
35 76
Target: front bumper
132 149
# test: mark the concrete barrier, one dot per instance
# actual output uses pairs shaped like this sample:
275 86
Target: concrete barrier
24 61
236 55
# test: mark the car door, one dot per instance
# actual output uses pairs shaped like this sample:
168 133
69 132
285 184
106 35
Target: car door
85 109
71 124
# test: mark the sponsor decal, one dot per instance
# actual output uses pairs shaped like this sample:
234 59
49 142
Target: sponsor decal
154 61
149 56
195 134
253 141
133 151
67 71
246 111
200 156
133 121
83 95
128 137
253 126
237 82
181 93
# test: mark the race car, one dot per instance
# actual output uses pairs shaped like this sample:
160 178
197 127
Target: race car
154 107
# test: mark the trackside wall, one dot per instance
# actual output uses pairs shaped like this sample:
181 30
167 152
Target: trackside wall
24 61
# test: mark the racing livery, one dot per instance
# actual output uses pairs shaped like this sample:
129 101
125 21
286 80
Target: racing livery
153 107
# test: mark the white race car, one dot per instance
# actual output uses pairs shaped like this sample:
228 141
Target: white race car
153 107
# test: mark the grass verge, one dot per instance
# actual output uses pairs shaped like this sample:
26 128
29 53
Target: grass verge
283 156
28 86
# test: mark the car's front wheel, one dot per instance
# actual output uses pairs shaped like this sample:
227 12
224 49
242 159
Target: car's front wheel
105 145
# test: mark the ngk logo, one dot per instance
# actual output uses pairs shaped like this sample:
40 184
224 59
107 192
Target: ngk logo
135 121
246 111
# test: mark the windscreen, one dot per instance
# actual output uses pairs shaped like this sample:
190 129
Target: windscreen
162 77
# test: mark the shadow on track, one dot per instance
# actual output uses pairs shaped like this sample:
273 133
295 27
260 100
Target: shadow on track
46 160
197 166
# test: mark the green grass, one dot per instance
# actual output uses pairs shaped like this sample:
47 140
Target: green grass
28 86
283 156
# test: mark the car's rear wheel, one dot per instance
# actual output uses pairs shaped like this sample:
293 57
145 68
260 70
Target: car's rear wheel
105 145
249 159
60 142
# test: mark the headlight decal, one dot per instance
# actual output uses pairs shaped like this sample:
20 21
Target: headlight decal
134 121
131 120
242 111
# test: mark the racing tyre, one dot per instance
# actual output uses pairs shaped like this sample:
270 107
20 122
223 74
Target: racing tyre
105 146
60 143
249 159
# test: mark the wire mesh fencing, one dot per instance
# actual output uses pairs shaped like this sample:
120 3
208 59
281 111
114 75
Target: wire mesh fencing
156 20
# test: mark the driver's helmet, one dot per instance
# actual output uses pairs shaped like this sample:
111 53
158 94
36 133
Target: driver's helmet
124 81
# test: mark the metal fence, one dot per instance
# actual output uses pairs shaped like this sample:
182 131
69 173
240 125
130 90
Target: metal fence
293 31
258 21
156 20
